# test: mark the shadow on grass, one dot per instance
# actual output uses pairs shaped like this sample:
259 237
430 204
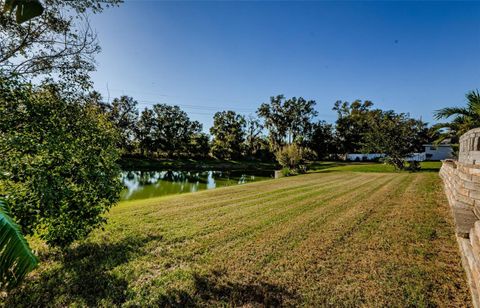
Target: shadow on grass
215 290
82 275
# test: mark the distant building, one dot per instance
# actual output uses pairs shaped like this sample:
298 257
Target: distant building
438 151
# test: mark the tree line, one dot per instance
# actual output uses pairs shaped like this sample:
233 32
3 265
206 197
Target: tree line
167 131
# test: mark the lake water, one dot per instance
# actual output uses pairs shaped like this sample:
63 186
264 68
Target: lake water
149 184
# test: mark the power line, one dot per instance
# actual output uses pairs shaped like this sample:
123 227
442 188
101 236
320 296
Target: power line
202 107
169 95
214 109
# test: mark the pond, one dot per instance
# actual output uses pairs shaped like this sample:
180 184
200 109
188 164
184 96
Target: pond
149 184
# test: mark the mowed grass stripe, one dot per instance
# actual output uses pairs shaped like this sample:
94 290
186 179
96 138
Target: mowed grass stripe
210 211
326 263
246 224
316 220
417 229
329 241
257 207
299 225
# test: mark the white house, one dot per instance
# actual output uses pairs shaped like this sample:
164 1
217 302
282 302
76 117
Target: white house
438 152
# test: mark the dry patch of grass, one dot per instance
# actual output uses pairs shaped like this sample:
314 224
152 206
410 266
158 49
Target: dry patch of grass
331 239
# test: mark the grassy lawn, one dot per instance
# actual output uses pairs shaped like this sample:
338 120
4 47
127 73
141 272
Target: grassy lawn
426 166
323 239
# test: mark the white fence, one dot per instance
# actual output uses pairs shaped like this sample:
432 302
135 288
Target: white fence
374 156
364 157
417 157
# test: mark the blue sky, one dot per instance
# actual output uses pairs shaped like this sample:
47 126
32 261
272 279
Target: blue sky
412 57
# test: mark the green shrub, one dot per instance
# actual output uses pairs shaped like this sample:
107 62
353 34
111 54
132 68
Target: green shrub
287 172
294 158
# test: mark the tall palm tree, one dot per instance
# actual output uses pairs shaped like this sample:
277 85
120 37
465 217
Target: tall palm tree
16 257
464 118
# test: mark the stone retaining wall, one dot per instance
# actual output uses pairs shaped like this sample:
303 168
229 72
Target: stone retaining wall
462 187
470 147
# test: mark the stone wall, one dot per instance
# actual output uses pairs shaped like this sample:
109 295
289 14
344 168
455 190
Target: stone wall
470 147
462 186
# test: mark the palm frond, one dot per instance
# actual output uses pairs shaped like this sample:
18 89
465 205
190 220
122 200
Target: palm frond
473 102
441 126
451 111
16 257
473 96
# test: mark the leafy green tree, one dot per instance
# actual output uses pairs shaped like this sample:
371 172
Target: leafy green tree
253 139
322 140
352 123
173 129
199 146
228 132
144 132
124 114
396 135
463 118
95 98
57 162
60 42
17 259
287 120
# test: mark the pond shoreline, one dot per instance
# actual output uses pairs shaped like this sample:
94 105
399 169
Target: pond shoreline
141 184
148 164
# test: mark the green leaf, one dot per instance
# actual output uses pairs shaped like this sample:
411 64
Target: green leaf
28 9
16 257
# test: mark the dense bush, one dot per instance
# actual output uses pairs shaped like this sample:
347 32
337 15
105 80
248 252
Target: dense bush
294 158
57 162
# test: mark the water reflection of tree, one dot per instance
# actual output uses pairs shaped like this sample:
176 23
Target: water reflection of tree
130 175
184 176
147 177
147 184
201 177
